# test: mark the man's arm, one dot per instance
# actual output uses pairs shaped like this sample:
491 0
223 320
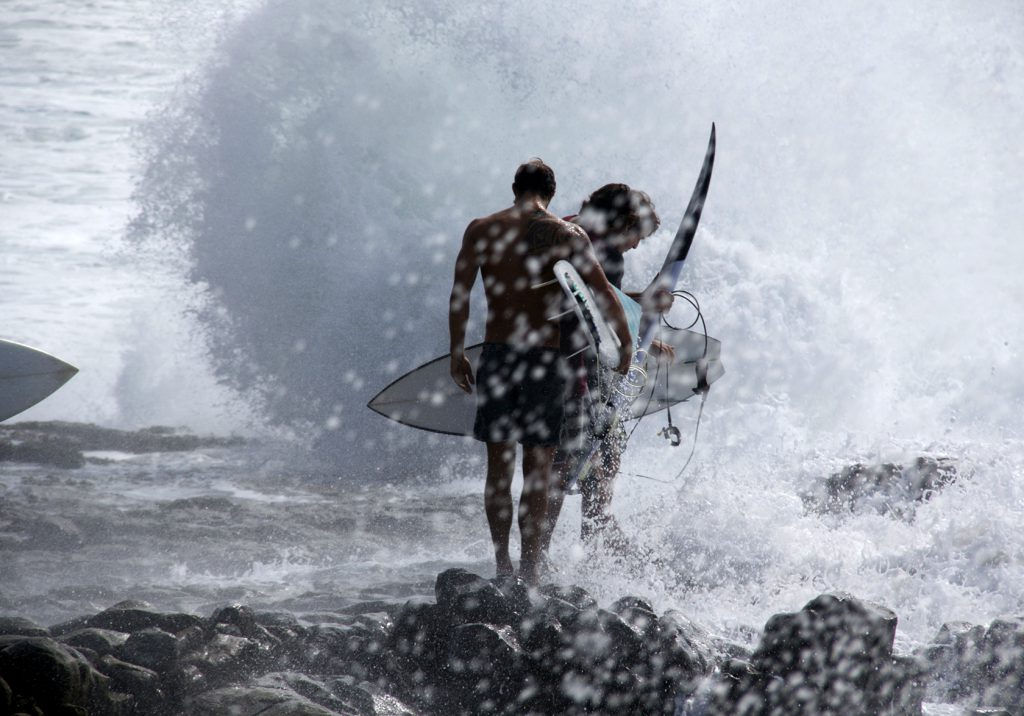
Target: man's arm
585 262
466 268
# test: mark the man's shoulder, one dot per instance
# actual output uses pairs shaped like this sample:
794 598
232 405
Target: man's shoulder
550 231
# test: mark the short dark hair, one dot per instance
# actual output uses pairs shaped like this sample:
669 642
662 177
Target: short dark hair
618 209
534 177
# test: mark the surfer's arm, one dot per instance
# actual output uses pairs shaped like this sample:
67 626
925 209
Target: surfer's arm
661 297
586 263
466 268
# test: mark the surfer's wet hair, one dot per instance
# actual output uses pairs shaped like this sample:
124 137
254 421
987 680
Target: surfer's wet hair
534 177
617 209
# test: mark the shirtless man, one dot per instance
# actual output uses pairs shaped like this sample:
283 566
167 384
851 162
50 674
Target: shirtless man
522 376
616 218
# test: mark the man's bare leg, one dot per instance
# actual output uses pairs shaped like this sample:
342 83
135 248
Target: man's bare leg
597 502
533 508
556 497
498 501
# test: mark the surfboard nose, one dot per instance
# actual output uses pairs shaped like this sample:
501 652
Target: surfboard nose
27 376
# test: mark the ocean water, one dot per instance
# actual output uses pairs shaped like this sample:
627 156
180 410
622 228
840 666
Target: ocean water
241 218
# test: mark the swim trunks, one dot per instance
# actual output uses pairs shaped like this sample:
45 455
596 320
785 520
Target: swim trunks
520 395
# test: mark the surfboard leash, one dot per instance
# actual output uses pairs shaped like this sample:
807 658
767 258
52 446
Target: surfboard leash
671 432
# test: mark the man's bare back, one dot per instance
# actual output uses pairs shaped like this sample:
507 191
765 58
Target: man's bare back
515 251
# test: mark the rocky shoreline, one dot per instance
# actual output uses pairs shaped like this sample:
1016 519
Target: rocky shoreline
483 647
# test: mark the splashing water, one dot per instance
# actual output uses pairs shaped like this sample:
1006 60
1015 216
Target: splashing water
856 258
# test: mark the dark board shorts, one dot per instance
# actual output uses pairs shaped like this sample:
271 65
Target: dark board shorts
520 395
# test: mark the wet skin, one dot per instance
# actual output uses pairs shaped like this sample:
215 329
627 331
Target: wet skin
515 251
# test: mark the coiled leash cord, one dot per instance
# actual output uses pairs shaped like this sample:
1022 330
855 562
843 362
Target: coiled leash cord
671 432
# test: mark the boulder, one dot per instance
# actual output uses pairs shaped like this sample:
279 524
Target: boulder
151 648
978 666
887 488
101 641
253 701
576 596
419 635
833 656
130 616
226 659
16 626
53 677
357 648
485 667
142 684
464 597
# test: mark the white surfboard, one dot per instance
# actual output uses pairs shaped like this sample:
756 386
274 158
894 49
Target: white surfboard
27 376
427 397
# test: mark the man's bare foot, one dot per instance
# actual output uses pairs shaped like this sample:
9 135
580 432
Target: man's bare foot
505 569
529 572
605 533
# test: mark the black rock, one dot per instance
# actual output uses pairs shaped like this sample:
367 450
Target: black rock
226 659
833 656
142 684
979 666
464 597
576 596
888 488
16 626
485 666
131 616
250 700
419 634
151 648
52 676
101 641
625 604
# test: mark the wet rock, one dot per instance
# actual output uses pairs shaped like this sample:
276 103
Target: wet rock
129 616
464 597
151 648
576 596
833 656
685 647
55 678
357 649
888 488
6 698
227 659
978 666
344 694
376 606
16 626
42 450
419 635
485 665
101 641
253 701
142 684
86 437
625 604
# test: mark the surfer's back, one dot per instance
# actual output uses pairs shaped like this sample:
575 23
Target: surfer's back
515 250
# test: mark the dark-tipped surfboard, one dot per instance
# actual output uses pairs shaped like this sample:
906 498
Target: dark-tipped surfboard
27 376
427 397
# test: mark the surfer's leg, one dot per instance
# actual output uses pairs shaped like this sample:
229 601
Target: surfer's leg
498 501
556 496
533 508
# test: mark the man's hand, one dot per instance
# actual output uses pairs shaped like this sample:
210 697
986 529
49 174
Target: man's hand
462 372
660 300
663 352
625 360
